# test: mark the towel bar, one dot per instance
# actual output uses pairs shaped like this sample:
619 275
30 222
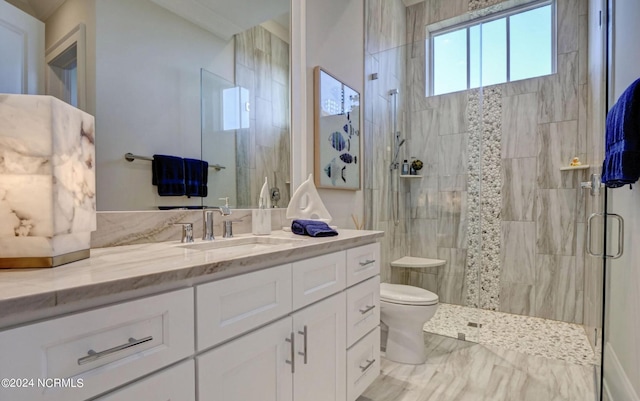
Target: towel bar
131 157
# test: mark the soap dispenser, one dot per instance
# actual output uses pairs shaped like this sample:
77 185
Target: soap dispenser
261 217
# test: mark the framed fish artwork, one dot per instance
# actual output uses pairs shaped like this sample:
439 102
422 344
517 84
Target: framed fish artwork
337 133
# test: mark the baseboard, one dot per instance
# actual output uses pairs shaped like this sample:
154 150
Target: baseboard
616 383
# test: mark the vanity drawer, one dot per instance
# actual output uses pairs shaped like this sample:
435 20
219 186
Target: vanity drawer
363 309
317 278
362 262
99 349
177 383
232 306
363 364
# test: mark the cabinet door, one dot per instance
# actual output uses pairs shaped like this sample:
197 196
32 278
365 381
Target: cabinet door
250 368
320 370
177 383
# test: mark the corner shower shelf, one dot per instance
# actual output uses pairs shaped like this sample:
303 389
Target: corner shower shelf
410 176
582 167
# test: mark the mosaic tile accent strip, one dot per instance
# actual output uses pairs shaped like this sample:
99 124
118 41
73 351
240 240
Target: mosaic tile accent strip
529 335
491 199
474 228
484 113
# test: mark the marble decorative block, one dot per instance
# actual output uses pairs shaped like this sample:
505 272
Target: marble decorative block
47 182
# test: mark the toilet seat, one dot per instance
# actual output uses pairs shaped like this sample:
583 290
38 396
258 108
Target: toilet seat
406 295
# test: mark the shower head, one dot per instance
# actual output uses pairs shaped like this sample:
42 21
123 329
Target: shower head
393 92
395 157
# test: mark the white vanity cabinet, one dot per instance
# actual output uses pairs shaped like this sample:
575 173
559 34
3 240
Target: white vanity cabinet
301 331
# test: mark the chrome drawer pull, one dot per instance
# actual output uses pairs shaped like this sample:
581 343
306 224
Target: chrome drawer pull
367 309
93 355
367 262
304 353
368 365
292 362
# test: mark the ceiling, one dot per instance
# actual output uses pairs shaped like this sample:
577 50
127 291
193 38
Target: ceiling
223 18
41 9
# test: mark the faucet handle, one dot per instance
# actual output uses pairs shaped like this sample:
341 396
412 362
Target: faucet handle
187 232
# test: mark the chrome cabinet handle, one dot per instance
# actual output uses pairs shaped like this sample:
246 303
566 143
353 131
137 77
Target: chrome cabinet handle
367 309
620 235
304 353
93 355
292 362
367 262
368 365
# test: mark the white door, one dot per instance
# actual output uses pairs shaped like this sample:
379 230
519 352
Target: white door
22 50
320 340
250 368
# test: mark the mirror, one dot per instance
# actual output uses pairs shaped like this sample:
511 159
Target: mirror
143 84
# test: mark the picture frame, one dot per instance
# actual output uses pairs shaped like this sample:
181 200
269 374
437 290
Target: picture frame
337 159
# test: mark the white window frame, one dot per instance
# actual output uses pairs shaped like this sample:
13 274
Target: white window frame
483 20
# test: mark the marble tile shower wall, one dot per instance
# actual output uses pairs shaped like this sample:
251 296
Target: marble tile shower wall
262 66
531 258
384 56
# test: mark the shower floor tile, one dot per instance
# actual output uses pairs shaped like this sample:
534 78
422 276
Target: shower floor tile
463 371
529 335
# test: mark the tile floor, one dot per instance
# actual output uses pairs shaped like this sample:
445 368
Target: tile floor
464 371
530 335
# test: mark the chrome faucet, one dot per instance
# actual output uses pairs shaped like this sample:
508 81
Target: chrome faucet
207 232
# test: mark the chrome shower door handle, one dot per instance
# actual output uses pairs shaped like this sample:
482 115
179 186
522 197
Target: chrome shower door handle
620 235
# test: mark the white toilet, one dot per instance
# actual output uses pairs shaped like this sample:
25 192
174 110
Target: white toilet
405 309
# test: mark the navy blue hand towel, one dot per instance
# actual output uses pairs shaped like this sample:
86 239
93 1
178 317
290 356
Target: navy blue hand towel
312 228
168 175
196 173
622 155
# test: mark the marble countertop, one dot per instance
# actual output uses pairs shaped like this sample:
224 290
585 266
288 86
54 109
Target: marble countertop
125 268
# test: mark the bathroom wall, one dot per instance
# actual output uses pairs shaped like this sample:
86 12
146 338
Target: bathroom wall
262 66
493 201
334 38
622 347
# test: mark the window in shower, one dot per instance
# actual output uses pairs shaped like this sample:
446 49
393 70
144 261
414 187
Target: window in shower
504 47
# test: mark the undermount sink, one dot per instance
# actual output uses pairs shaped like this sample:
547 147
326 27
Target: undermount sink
241 243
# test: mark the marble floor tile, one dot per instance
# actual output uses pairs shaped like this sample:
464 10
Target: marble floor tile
529 335
461 371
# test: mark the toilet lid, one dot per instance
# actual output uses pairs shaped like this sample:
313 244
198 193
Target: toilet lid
406 295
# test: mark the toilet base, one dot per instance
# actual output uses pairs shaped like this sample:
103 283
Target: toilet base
406 346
